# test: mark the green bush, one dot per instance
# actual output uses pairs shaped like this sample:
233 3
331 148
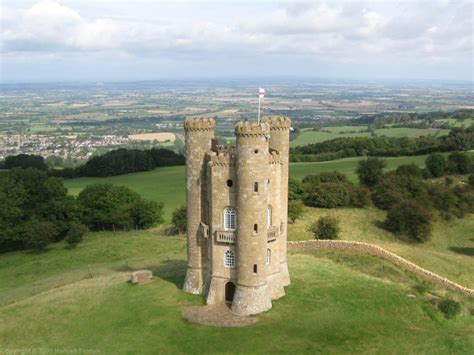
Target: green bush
470 180
107 206
409 169
333 176
179 219
370 171
295 210
436 164
449 307
39 235
394 188
75 234
325 228
296 189
360 196
459 163
409 219
330 195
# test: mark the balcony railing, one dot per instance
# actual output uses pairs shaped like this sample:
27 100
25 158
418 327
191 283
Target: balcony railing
228 237
272 234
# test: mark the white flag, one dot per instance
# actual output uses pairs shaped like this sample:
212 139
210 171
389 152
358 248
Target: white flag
261 92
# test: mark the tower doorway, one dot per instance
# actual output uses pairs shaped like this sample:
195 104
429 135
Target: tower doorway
229 292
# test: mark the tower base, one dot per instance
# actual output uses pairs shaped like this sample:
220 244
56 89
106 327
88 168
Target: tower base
285 274
251 300
193 281
275 286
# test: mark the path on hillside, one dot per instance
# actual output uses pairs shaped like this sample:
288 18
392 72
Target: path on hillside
371 249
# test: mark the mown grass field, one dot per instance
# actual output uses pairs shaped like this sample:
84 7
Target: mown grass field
307 136
167 184
79 300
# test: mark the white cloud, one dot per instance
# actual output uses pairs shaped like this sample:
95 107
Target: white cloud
332 31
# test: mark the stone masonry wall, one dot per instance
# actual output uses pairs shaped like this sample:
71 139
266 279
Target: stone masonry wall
375 250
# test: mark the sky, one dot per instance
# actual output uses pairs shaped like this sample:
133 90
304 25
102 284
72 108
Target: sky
100 40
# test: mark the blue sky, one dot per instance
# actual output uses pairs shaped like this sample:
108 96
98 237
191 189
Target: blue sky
56 40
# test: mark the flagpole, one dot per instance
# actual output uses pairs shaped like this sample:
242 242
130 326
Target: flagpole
258 117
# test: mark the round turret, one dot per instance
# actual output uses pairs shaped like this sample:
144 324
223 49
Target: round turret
199 134
252 295
280 140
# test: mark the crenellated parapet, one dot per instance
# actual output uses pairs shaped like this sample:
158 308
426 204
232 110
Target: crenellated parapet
222 158
199 124
274 157
251 129
278 122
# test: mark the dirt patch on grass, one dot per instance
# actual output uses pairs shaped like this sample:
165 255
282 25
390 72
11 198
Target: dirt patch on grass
217 316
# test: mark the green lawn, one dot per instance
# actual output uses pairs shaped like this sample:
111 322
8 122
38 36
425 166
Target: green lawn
167 184
79 300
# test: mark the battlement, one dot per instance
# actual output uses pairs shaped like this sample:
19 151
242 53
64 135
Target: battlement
199 124
224 157
278 122
251 129
274 157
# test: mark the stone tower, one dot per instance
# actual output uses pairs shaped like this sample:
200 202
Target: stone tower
237 213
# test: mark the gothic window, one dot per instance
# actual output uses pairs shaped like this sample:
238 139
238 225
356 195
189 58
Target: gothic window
230 217
269 256
269 216
229 259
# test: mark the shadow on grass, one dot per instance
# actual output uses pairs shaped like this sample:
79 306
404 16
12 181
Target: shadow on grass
465 251
170 270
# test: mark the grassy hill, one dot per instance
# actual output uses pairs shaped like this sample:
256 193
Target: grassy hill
167 184
79 299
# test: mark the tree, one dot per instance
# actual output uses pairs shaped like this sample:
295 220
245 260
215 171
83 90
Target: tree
326 227
330 195
107 206
370 171
179 219
75 234
295 210
410 219
459 163
436 164
25 161
38 235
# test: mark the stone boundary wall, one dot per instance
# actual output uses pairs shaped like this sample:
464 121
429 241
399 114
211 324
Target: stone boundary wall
371 249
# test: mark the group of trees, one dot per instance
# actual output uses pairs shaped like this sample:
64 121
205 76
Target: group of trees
123 161
458 139
115 162
36 210
410 197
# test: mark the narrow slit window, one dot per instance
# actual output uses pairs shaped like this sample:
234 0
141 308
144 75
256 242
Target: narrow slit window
255 228
254 268
255 187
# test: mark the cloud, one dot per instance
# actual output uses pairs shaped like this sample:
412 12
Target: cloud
420 32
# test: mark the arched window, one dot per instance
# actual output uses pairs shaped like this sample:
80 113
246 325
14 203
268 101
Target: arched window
230 217
269 256
269 216
229 259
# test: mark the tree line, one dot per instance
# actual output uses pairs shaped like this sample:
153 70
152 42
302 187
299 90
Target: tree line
458 139
116 162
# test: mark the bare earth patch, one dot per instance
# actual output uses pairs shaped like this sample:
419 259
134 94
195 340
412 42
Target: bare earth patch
217 316
160 137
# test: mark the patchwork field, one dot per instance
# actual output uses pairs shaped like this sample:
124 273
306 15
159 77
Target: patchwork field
331 306
167 184
307 136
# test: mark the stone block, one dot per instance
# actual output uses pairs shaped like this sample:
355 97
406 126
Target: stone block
141 277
